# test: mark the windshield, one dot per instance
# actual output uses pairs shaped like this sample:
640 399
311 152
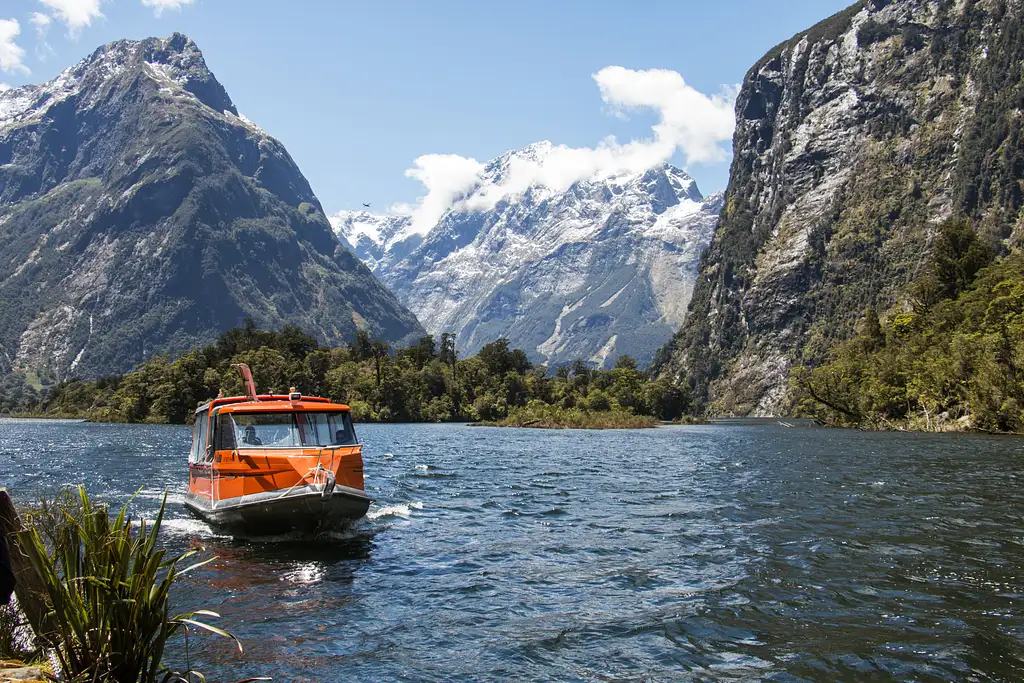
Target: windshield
286 430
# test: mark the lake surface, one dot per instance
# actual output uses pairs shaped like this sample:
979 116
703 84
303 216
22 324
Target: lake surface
682 553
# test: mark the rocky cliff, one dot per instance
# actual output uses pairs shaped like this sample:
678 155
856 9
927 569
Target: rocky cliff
140 213
602 269
854 140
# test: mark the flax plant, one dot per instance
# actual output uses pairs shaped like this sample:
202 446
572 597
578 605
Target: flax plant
107 586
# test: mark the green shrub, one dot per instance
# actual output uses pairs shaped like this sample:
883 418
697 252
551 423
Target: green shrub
107 589
952 366
542 415
872 32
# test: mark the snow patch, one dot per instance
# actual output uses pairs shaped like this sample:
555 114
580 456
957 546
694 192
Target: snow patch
601 357
556 340
615 296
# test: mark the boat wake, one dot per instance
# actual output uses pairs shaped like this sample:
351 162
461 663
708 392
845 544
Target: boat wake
185 526
173 497
400 510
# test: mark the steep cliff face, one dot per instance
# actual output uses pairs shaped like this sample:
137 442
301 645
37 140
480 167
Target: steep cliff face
598 270
141 213
854 140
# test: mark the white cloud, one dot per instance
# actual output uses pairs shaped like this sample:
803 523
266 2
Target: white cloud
160 5
11 54
690 122
77 14
41 21
4 86
446 177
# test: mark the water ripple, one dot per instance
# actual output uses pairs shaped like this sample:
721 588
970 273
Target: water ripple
695 553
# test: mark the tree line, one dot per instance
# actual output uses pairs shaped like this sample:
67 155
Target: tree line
425 381
948 357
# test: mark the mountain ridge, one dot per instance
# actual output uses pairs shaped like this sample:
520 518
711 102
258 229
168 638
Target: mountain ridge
855 141
591 271
141 213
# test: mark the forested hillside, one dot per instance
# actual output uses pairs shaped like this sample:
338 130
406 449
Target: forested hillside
953 361
856 142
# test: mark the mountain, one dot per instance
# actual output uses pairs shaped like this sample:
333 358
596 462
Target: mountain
376 239
140 213
855 141
600 269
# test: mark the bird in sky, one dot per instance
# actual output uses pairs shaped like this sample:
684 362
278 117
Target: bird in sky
366 205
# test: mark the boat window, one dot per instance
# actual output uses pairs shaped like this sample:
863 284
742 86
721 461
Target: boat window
288 430
267 430
193 454
225 440
203 424
326 429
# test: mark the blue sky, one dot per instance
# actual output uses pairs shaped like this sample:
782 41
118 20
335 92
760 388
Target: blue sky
359 91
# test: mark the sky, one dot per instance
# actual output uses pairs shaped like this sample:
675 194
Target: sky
399 103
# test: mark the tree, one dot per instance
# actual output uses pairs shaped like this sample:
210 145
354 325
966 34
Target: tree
958 257
317 364
295 343
448 355
580 375
627 388
379 351
496 357
378 383
269 369
363 347
625 362
871 330
423 351
665 400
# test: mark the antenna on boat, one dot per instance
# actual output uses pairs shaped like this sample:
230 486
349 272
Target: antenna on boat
250 385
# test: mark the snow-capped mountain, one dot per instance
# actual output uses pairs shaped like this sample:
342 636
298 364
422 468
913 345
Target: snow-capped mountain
141 213
371 236
603 268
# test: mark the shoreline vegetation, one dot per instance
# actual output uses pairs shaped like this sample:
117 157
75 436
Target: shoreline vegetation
947 358
423 382
94 593
538 415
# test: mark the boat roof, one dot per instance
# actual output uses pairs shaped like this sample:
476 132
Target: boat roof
271 403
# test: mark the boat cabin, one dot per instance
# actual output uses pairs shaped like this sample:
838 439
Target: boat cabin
275 462
270 422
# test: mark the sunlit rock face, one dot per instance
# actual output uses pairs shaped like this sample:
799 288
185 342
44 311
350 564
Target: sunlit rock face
854 141
601 269
141 213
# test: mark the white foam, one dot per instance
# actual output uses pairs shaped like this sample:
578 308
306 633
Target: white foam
185 526
403 511
305 573
343 534
173 497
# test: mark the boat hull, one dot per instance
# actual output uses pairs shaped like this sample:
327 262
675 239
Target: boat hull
306 508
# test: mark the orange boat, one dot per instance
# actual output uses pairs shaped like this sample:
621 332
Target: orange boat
268 464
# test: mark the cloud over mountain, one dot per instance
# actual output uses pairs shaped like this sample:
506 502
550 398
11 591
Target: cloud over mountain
689 121
77 14
160 5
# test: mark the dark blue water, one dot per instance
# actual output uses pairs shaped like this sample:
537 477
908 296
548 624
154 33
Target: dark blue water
682 553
